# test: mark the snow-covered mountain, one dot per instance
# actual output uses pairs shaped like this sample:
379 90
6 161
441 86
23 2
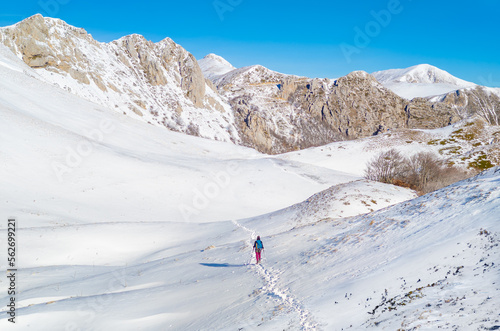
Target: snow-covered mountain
158 83
123 225
419 74
163 84
279 113
420 81
428 83
214 66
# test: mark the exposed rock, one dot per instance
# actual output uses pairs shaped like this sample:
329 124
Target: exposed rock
419 109
359 106
278 113
482 101
131 73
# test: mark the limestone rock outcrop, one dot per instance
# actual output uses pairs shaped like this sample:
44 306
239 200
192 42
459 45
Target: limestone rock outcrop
160 83
277 113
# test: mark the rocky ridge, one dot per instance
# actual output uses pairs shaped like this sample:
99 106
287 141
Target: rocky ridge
277 113
160 83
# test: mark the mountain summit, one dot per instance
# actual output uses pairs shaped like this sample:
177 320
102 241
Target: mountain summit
214 66
422 73
422 80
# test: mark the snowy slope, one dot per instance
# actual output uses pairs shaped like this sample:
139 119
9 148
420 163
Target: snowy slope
214 66
418 263
124 225
420 81
430 263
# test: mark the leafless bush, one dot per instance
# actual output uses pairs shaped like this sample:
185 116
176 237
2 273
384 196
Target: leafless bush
423 168
386 167
444 176
423 172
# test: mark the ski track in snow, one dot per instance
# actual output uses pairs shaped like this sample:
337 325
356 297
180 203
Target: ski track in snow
279 293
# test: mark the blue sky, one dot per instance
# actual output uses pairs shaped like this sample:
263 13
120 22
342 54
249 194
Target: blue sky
309 38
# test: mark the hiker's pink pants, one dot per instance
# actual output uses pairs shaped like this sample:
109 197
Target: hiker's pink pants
257 255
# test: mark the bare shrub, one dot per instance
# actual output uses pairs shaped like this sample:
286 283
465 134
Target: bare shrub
423 172
386 167
444 176
422 169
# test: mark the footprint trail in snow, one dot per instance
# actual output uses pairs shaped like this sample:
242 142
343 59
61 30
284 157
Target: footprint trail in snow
280 294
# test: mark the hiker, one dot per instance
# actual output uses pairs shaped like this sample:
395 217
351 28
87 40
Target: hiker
258 246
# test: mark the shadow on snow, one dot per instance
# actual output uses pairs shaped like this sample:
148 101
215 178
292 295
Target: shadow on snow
222 265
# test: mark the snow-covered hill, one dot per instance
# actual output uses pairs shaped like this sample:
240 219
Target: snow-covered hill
214 66
428 263
420 81
419 74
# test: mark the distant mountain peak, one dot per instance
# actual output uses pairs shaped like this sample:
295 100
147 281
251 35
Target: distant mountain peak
217 58
214 66
419 74
422 80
